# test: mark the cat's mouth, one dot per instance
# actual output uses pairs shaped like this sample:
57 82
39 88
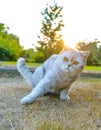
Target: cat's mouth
73 70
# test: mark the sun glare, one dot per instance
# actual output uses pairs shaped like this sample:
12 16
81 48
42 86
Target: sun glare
69 42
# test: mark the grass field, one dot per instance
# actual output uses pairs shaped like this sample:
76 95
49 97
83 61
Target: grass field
6 63
88 68
83 112
93 68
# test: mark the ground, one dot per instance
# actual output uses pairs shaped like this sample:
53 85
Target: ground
83 112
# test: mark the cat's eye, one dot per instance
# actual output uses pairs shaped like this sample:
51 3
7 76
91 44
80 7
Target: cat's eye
65 59
75 62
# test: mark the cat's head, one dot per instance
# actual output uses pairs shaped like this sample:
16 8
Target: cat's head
72 61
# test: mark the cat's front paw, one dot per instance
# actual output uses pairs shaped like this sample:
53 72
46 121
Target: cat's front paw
27 99
65 98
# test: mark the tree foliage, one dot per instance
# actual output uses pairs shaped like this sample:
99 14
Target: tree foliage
9 45
29 55
50 38
94 57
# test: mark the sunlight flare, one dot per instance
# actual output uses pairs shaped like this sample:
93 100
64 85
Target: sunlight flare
68 42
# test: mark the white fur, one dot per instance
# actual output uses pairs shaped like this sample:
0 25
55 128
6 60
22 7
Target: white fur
55 74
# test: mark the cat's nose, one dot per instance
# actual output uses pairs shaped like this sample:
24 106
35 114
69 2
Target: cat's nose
69 65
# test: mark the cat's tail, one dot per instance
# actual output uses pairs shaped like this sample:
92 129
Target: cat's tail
24 71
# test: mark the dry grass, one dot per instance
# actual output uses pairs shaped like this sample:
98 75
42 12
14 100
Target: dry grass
83 112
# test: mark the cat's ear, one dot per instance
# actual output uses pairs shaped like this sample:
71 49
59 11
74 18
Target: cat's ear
85 53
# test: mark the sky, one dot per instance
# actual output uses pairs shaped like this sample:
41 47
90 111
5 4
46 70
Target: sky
82 19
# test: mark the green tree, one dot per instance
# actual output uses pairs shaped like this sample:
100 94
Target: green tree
50 39
29 55
4 54
3 29
9 45
93 58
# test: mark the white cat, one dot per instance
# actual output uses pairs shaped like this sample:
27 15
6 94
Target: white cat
55 75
